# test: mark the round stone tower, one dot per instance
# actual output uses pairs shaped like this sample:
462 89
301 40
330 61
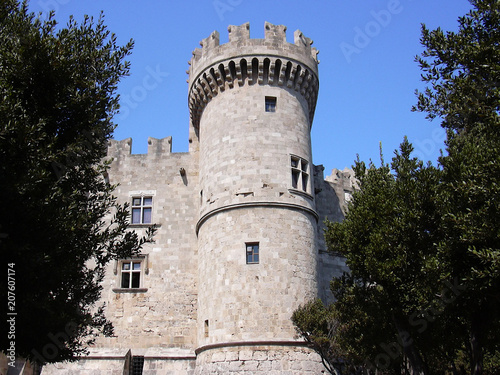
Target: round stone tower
252 104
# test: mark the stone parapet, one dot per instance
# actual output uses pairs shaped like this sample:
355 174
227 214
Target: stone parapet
273 61
156 147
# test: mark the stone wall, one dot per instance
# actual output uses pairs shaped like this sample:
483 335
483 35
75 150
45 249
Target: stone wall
162 313
254 302
169 361
259 360
200 308
332 195
99 362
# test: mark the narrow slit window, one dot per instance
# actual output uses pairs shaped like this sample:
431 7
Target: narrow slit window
304 174
270 104
295 179
206 328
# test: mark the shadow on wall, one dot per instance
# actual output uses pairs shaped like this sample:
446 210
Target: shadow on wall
332 197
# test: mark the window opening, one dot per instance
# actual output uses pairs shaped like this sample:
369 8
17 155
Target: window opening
305 176
300 175
252 252
142 208
206 328
131 274
136 365
270 104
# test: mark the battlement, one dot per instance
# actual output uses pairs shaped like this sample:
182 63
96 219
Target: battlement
156 147
215 68
240 41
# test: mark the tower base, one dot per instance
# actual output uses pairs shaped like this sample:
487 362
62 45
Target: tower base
270 358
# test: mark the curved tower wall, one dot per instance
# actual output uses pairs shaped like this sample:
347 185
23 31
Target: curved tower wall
256 187
201 309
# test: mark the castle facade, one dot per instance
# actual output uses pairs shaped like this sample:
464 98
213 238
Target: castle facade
240 222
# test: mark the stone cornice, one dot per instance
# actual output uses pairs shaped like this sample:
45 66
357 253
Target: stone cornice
251 343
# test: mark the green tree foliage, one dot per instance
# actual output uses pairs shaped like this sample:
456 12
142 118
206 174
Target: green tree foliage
317 324
386 307
422 242
388 239
60 223
463 73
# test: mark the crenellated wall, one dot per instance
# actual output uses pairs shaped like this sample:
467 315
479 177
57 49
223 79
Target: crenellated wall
271 61
200 307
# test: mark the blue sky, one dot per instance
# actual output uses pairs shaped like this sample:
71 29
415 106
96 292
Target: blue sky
367 71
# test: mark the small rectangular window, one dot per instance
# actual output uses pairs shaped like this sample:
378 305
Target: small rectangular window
270 104
142 208
131 274
206 328
252 253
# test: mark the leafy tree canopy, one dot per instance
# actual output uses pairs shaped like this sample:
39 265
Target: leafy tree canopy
422 242
462 71
61 224
388 238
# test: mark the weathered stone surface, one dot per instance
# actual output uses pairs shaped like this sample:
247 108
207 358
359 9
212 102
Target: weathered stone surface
255 360
200 308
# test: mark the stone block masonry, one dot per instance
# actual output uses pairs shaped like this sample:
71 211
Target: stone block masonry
259 360
240 222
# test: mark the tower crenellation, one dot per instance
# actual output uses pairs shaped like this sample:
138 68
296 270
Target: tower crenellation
120 148
239 34
159 147
272 60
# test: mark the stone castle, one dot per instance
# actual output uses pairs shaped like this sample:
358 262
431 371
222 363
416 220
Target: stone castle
240 222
